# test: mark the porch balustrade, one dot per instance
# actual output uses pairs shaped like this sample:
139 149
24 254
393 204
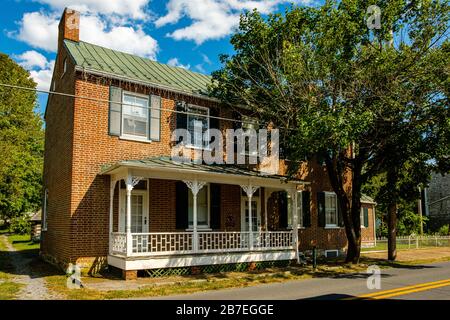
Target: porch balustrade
179 243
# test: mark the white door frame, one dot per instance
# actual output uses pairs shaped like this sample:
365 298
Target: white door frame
122 209
258 212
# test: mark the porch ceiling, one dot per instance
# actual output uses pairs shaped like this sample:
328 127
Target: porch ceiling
165 168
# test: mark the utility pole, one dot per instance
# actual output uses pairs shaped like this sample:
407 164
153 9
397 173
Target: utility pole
419 209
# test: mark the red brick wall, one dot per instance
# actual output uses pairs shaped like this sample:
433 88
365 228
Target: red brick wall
58 164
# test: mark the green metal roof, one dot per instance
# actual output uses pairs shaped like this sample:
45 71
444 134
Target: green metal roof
93 58
166 162
366 199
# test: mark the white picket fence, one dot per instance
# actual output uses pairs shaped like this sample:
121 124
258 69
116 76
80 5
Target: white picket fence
410 242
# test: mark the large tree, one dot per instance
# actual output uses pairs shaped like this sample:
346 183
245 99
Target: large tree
21 142
341 91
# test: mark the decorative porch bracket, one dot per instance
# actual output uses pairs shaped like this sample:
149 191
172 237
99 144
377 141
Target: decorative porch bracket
250 190
195 186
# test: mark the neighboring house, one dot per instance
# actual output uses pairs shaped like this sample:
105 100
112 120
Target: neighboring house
113 196
36 226
436 201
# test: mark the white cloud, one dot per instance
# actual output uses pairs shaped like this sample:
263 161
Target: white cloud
206 59
41 70
122 38
31 59
135 9
200 68
40 30
175 63
211 19
43 77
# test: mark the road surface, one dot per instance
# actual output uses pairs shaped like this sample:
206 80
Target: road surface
429 281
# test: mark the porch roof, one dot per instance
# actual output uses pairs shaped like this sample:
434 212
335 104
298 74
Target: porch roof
213 170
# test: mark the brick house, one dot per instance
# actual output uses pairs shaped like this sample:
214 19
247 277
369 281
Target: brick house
113 196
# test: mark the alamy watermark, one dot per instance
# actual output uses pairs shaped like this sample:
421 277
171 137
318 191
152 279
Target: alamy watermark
74 276
241 147
374 280
374 19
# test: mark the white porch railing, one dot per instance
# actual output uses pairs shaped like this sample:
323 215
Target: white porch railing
153 244
118 243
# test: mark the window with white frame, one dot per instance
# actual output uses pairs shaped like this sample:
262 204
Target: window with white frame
249 126
299 210
45 210
331 213
197 124
135 116
202 208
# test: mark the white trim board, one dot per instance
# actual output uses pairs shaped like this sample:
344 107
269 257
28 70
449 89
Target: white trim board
197 260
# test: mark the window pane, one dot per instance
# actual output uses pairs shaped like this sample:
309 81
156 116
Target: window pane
330 209
202 208
197 125
135 116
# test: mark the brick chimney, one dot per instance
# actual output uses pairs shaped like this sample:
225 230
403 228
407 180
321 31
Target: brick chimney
69 26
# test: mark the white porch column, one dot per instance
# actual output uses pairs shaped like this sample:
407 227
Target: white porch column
130 183
195 186
111 211
250 190
293 193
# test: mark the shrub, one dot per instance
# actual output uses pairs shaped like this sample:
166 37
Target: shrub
444 230
20 225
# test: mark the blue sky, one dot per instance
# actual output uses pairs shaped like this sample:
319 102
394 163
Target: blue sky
187 33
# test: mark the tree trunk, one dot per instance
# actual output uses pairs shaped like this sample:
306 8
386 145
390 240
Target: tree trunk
392 231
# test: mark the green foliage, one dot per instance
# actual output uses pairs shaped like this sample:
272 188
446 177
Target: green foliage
21 143
444 230
331 82
20 225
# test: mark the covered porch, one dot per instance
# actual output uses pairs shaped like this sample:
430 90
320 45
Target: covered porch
140 241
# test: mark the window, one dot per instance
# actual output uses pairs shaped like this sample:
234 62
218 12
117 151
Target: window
299 210
197 124
202 208
135 116
64 67
331 214
45 210
249 126
364 217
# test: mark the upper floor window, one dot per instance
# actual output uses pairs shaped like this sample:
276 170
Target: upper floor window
197 125
134 116
250 127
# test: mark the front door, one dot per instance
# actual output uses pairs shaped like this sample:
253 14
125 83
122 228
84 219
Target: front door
139 212
256 214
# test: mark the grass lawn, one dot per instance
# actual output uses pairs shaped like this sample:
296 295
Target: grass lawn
23 242
8 288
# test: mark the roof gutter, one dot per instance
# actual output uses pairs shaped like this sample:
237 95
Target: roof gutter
145 83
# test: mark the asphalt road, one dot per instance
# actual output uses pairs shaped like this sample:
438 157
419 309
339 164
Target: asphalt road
417 282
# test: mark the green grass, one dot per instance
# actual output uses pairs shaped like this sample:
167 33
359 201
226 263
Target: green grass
8 288
22 242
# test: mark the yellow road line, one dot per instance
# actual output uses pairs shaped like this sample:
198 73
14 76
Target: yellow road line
413 291
402 289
